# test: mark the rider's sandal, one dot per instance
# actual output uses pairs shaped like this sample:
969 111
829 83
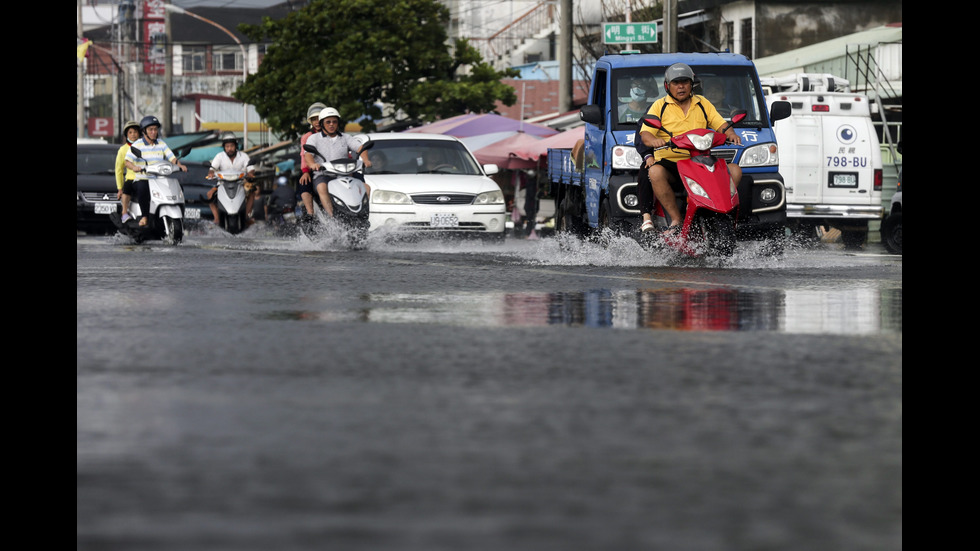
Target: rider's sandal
646 226
144 222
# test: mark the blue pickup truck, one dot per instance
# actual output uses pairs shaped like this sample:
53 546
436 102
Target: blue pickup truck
595 187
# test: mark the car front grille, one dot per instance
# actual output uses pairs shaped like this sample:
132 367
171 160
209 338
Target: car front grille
95 197
443 199
463 226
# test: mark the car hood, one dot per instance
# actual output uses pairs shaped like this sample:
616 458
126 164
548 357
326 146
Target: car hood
431 183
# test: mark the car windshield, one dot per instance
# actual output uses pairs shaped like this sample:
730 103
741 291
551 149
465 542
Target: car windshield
96 161
415 156
726 87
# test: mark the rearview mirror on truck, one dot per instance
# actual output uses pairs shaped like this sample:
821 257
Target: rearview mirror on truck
780 110
591 114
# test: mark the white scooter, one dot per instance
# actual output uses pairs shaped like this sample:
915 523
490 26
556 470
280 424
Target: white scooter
231 201
166 216
348 193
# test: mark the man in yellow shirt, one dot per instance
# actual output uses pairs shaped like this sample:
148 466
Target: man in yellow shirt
125 176
680 111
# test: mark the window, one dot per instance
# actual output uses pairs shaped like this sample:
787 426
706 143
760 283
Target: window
227 59
194 59
746 38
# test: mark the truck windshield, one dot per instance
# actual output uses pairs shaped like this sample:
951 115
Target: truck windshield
726 87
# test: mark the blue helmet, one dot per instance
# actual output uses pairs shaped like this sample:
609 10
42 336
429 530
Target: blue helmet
149 121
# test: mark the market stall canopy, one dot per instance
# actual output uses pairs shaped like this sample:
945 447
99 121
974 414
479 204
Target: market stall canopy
563 140
462 126
502 154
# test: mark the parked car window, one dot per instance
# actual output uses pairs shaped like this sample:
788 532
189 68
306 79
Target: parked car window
419 156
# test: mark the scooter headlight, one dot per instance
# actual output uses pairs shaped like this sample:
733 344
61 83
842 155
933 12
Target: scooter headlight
703 143
696 188
490 198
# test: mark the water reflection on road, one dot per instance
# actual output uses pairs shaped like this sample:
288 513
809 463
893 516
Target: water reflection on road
858 311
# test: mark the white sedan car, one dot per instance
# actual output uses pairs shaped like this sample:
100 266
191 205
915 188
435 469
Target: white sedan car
431 183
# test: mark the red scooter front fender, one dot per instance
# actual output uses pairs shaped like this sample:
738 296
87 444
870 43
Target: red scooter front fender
707 188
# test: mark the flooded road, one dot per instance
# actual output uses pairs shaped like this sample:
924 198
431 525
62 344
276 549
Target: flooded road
253 393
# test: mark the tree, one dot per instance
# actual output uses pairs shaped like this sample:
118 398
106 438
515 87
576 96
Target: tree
354 54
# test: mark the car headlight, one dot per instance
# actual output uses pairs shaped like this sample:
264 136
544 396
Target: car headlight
388 197
766 154
626 157
495 197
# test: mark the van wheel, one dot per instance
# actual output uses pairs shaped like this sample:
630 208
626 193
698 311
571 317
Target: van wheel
891 233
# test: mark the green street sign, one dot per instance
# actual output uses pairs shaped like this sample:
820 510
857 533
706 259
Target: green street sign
634 33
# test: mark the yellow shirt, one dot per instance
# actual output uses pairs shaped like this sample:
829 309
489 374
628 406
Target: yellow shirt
677 122
123 173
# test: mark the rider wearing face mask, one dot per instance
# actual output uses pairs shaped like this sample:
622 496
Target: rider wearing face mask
638 104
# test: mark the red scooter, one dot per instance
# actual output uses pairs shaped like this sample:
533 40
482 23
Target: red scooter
711 206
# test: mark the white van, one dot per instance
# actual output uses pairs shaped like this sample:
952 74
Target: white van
829 156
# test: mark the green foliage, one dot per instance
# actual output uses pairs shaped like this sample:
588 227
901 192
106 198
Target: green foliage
352 54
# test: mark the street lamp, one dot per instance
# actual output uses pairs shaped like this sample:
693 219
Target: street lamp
178 9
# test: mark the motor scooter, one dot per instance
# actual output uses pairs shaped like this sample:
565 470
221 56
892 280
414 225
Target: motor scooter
166 216
231 199
710 209
348 193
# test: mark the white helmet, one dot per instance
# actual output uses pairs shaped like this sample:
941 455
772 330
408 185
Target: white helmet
329 112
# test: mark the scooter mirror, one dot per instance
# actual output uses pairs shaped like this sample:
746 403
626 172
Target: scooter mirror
367 145
653 121
310 149
738 115
137 152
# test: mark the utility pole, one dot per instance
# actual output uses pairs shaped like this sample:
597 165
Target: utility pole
80 82
670 26
168 75
565 57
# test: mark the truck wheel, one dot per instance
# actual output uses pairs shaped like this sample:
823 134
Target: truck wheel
567 219
891 233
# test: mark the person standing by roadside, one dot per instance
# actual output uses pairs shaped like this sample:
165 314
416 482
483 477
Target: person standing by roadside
124 175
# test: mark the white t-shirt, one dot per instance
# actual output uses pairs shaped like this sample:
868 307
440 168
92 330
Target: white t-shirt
222 163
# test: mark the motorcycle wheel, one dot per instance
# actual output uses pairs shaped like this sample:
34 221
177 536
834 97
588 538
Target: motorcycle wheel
173 230
716 232
891 233
233 223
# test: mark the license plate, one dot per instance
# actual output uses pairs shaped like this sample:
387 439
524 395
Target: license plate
443 220
843 179
192 213
105 208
